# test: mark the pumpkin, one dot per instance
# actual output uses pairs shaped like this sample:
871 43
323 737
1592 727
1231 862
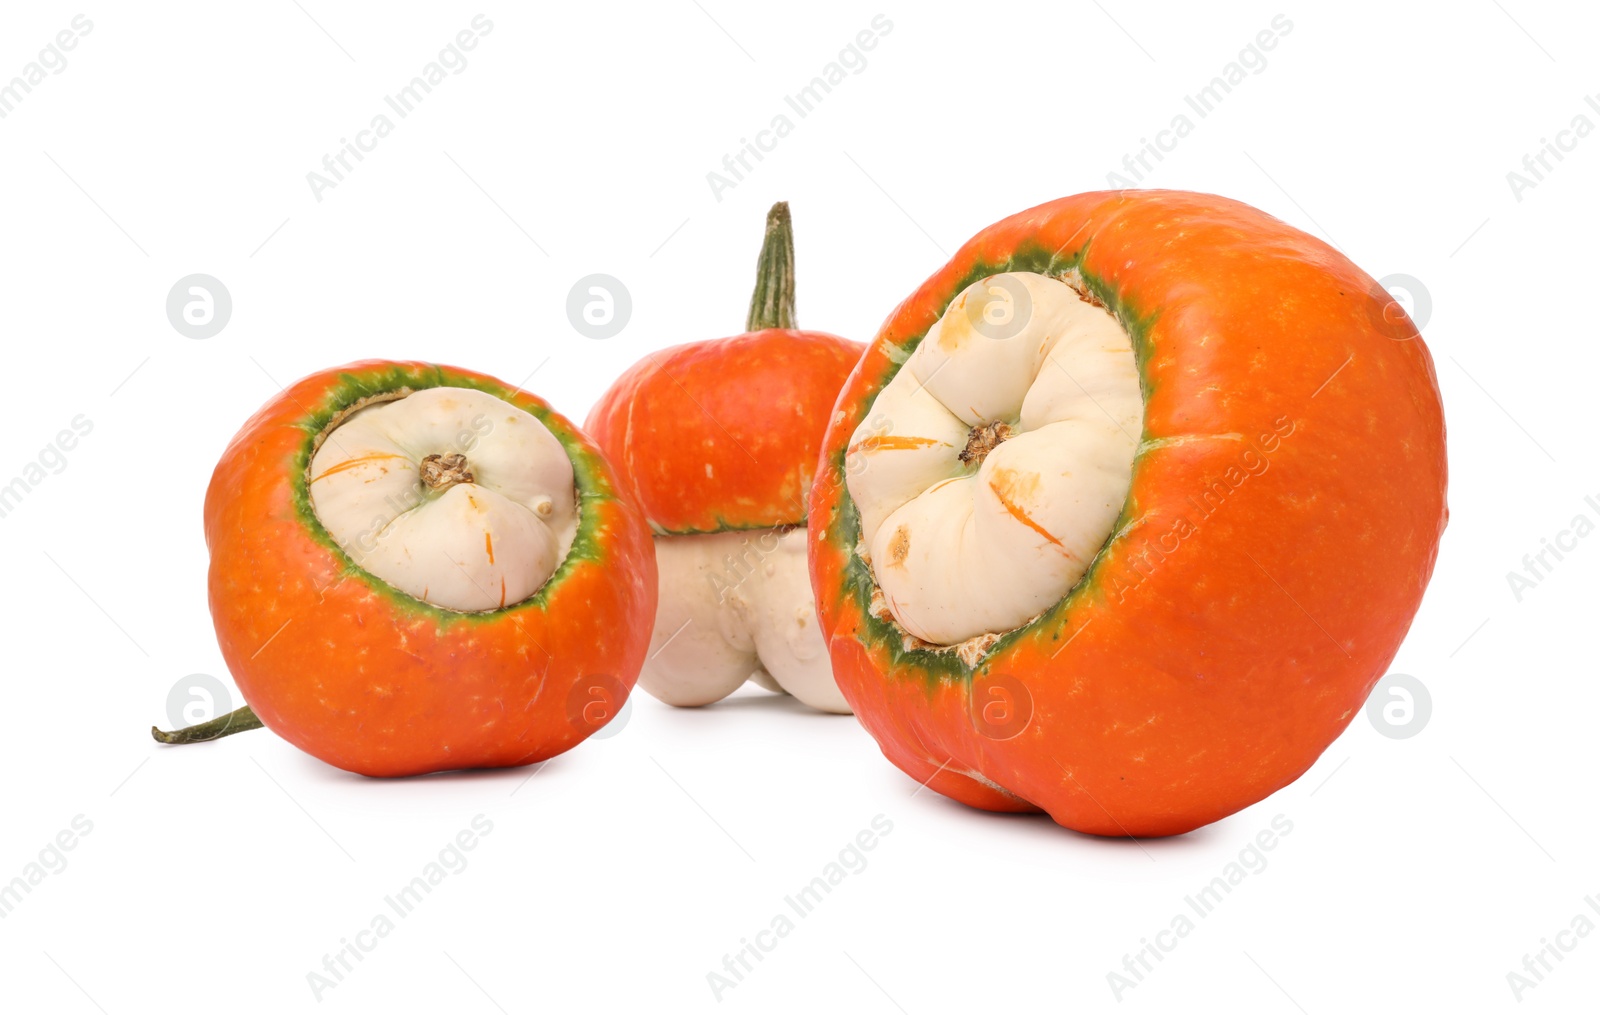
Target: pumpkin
717 441
1125 510
417 568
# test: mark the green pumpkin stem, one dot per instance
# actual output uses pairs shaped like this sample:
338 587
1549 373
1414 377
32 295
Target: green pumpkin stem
237 721
772 303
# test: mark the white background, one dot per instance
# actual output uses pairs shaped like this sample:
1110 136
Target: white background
1419 872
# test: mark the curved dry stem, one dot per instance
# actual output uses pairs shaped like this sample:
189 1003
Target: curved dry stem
237 721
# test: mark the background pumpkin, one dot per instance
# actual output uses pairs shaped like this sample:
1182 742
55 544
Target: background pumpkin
717 441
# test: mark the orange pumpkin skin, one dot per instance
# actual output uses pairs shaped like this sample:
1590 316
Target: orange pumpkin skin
368 679
723 434
1224 635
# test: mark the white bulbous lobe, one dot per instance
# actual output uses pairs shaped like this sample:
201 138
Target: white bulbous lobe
737 606
993 466
451 495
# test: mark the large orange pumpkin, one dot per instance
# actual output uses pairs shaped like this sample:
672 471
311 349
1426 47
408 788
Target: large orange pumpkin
1284 502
